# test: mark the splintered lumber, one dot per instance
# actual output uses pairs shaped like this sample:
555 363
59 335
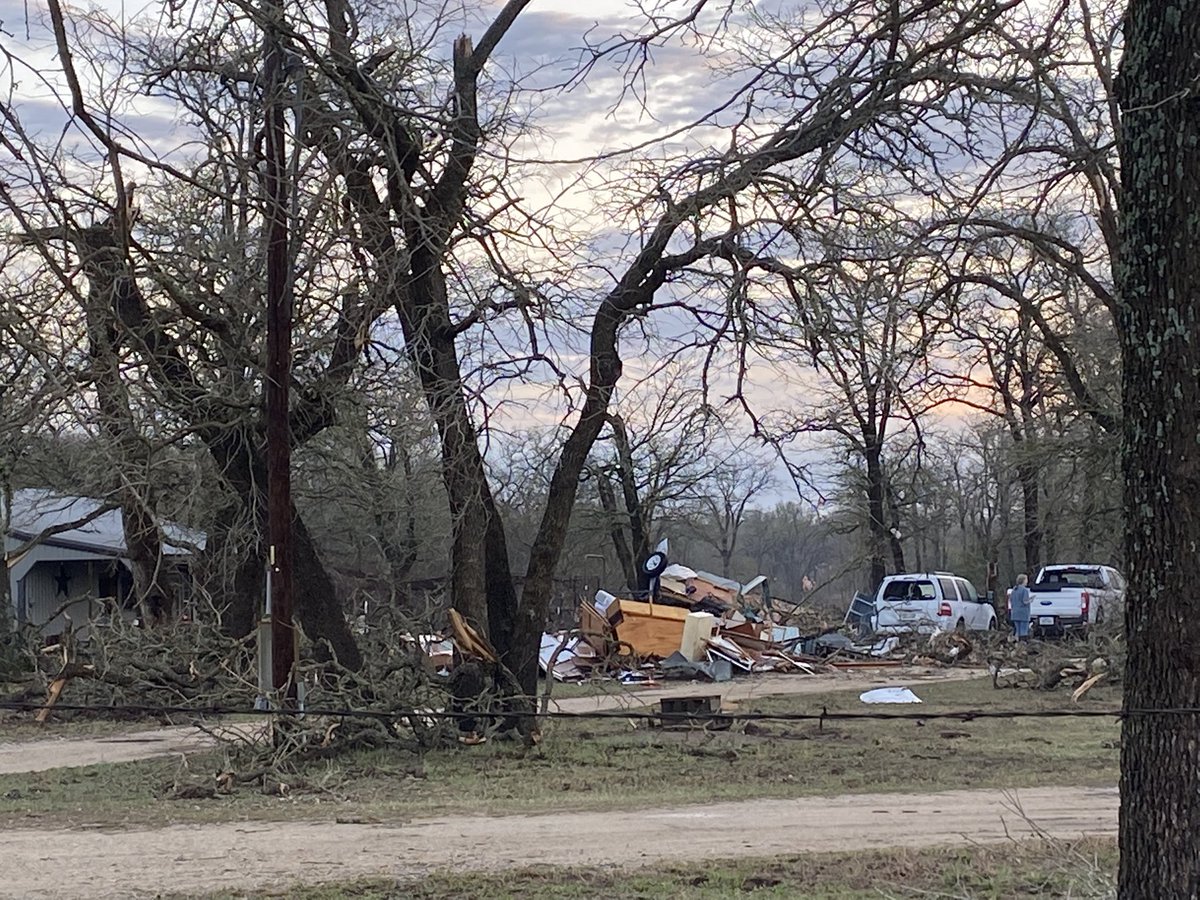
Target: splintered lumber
59 684
56 689
651 629
470 642
1087 686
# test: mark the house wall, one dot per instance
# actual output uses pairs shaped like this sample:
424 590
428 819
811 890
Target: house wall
44 598
38 598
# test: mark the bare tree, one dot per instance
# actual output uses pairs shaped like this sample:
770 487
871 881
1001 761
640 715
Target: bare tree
659 450
869 322
845 87
722 500
404 144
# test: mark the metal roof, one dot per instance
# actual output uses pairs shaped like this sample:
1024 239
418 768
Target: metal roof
36 509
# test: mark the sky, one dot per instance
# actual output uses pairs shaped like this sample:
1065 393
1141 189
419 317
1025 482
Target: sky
586 121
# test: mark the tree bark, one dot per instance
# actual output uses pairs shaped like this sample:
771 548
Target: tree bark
1027 474
876 524
424 314
639 527
616 529
1159 324
101 249
239 455
893 531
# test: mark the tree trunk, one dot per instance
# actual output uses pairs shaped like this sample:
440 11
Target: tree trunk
424 314
639 527
235 447
616 530
877 532
108 287
502 604
1027 474
893 532
605 372
1159 324
241 461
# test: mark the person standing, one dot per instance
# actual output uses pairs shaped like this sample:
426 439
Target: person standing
1018 608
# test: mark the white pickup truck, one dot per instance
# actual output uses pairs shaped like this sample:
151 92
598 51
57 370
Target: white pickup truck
930 601
1074 596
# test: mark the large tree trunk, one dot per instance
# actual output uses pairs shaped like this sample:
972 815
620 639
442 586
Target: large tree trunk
1159 323
605 372
241 461
143 545
236 447
877 532
424 314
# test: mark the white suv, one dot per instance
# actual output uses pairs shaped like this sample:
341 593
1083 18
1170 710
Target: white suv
930 601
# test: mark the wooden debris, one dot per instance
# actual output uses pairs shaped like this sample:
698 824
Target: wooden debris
56 689
651 629
1087 686
470 642
595 630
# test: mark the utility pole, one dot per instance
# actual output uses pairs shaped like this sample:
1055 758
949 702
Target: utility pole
279 359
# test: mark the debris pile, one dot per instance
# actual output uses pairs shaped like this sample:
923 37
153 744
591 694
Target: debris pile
1051 665
694 625
1080 673
618 633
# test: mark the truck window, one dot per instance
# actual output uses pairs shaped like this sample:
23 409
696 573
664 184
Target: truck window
949 591
967 590
904 590
1079 578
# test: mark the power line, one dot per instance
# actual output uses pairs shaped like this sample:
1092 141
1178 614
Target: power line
824 715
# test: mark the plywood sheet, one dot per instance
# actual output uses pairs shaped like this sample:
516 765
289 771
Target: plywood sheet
651 629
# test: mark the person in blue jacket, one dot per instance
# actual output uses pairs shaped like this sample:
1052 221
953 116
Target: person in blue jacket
1018 603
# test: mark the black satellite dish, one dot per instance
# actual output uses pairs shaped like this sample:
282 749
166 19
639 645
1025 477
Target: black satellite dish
652 567
655 564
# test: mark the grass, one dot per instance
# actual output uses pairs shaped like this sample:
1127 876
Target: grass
602 764
16 729
1082 870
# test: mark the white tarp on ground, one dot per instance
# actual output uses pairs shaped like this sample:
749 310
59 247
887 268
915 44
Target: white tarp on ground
889 695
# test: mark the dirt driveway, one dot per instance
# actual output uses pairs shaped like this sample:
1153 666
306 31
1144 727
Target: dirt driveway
40 755
66 753
194 859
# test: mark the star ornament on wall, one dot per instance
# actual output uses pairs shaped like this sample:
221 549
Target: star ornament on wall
63 580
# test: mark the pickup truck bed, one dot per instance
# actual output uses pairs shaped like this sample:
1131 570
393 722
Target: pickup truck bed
1073 596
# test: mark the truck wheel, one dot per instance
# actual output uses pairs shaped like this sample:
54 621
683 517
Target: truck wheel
1100 615
960 626
992 624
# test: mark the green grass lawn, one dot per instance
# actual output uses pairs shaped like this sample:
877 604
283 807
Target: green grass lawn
598 764
1081 870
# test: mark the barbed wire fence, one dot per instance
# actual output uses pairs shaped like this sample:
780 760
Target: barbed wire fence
822 716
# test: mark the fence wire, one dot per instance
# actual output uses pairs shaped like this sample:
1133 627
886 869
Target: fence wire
824 715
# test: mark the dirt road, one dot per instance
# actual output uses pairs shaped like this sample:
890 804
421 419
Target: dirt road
40 755
195 859
66 753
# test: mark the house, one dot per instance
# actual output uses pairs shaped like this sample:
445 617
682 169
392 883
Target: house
78 568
